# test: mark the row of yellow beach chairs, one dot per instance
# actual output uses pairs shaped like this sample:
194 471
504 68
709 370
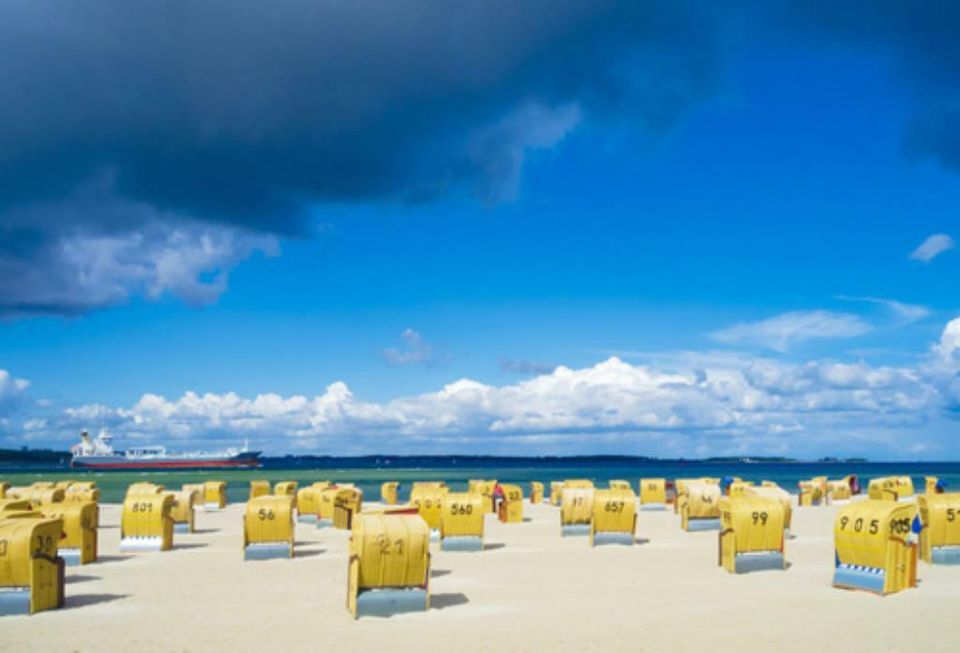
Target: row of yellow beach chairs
44 527
389 547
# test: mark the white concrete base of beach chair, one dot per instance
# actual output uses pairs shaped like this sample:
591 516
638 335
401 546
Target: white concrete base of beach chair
386 602
141 544
267 551
71 557
575 530
859 577
945 555
625 539
461 543
759 561
14 600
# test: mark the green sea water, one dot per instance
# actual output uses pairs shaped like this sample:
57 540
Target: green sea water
113 484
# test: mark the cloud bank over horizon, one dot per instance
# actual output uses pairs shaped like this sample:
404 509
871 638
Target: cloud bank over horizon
707 403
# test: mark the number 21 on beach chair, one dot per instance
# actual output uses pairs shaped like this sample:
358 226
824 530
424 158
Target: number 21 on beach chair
389 565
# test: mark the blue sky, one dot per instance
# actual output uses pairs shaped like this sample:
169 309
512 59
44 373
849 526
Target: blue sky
748 246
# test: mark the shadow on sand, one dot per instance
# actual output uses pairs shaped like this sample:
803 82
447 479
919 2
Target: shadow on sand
112 558
83 600
79 578
443 601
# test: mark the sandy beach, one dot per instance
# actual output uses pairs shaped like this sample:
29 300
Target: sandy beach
530 590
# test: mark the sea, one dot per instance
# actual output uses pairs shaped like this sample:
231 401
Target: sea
370 473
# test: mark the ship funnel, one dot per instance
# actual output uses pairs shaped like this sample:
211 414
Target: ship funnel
85 437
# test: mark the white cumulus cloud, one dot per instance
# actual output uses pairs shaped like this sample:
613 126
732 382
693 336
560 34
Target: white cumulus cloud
687 403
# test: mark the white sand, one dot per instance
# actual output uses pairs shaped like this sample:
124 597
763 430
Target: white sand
531 591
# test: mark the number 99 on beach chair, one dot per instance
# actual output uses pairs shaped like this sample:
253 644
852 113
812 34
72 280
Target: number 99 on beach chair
268 528
145 523
751 534
940 536
31 572
461 522
389 565
614 518
774 491
872 550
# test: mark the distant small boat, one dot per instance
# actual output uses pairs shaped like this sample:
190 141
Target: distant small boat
98 453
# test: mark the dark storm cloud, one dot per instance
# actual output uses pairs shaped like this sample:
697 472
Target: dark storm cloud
240 111
919 39
241 114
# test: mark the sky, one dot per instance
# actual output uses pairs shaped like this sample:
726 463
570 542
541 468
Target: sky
667 229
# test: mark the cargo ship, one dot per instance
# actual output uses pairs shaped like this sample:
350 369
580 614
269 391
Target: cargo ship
98 453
